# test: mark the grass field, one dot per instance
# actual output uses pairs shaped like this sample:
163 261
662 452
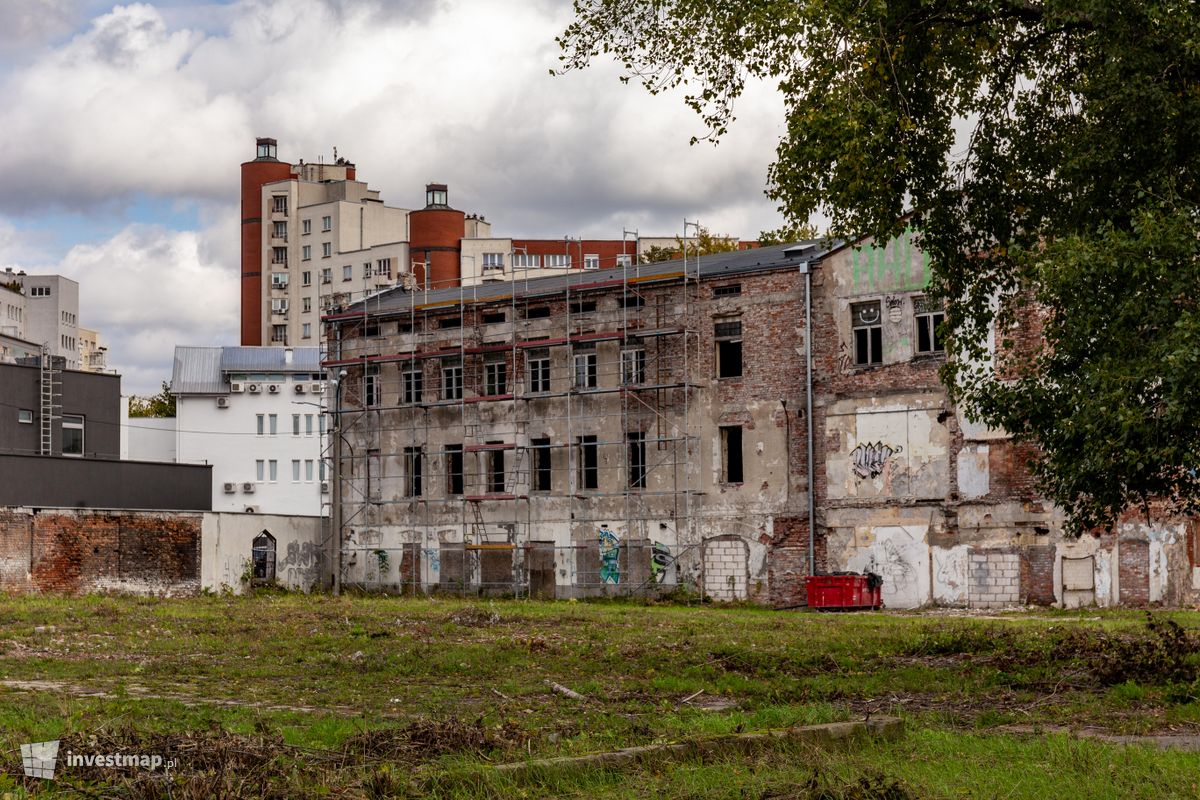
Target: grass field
279 695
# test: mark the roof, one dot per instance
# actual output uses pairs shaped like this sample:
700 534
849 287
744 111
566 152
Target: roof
715 265
202 370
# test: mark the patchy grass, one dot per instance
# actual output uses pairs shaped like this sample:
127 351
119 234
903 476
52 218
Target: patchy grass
361 697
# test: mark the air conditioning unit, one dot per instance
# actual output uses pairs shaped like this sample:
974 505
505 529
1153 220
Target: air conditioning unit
248 488
301 388
237 386
324 487
253 388
222 402
317 388
273 388
230 488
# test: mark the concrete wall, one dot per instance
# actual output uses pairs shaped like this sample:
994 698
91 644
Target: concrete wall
67 482
150 439
301 550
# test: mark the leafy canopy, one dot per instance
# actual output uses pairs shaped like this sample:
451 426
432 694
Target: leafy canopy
159 405
1048 151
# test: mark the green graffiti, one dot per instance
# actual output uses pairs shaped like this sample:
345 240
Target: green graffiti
874 270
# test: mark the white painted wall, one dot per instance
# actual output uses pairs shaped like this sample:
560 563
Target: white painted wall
226 541
228 439
147 438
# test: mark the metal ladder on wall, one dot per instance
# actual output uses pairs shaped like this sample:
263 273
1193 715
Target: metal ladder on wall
51 393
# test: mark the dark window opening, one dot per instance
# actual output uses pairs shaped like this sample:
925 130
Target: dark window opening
637 459
450 322
728 336
583 307
631 301
726 291
541 465
540 312
539 374
495 378
495 470
262 552
589 463
489 319
371 329
452 382
414 380
454 469
585 371
928 317
371 386
413 471
867 324
404 327
731 454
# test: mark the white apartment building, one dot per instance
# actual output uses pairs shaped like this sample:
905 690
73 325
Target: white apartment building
257 414
327 239
50 314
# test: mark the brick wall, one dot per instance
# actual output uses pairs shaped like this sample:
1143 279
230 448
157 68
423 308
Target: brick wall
725 569
1037 575
787 563
84 551
1133 571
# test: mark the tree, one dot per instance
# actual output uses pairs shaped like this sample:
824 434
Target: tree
159 405
1047 151
787 234
704 243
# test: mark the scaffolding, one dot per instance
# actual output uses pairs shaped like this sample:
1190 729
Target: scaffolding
544 447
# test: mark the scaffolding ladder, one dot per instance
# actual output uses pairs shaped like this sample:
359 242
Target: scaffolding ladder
51 394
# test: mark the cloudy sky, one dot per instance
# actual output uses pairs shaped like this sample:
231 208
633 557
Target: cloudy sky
124 126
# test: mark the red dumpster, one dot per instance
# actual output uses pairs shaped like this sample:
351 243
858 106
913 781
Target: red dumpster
844 591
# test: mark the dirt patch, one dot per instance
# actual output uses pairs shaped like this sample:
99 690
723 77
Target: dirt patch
426 739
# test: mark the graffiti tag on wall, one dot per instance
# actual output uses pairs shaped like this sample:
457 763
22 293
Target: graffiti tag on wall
870 459
610 556
660 559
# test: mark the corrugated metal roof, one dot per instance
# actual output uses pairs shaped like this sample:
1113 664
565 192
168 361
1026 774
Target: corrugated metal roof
201 370
197 370
711 266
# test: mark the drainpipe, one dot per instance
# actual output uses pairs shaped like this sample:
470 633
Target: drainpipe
808 415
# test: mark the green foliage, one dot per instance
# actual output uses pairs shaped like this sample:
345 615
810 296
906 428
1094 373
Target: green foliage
1048 153
786 234
704 243
159 405
655 254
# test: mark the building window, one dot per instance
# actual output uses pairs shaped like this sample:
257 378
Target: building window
306 252
308 424
637 459
273 423
306 304
585 370
414 380
631 301
452 382
591 261
559 260
929 316
39 291
25 416
371 329
538 312
539 374
295 470
279 204
728 338
278 255
868 333
306 278
731 453
454 469
589 462
279 333
541 465
412 471
260 469
273 466
633 366
306 330
326 223
493 262
583 307
384 267
279 230
262 420
495 460
326 249
371 385
494 317
72 435
367 269
525 260
306 226
279 305
295 424
347 272
327 275
495 378
624 260
308 470
727 290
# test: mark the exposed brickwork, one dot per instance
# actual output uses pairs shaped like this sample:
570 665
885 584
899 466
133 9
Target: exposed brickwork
1037 575
787 562
1133 571
84 551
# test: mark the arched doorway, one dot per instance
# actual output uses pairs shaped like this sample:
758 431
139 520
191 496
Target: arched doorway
263 557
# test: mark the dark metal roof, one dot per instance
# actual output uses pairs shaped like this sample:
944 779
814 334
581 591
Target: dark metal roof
711 266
